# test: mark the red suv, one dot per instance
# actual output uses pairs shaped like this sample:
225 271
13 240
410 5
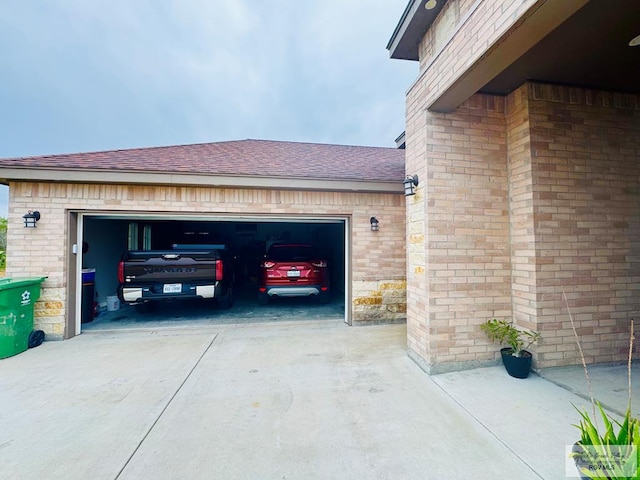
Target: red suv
293 270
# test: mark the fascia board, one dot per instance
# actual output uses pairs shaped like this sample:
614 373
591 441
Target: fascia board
226 181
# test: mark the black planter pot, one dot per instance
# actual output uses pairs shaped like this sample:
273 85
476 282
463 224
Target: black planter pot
518 367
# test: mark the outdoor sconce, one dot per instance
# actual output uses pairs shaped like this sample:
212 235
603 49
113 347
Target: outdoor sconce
31 218
409 185
375 224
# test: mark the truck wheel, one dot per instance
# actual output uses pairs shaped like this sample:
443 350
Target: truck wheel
145 307
226 301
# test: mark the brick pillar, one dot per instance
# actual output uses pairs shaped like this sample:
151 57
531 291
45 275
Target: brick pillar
458 236
521 211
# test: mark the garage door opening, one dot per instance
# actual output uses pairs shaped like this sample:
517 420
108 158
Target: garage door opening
106 237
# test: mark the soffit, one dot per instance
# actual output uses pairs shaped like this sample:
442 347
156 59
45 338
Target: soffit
588 49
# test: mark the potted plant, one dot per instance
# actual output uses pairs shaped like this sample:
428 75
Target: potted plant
515 356
601 453
604 454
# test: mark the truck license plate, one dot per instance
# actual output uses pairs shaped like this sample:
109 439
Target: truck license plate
293 273
172 288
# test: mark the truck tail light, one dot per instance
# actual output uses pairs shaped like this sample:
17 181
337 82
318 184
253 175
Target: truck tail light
219 270
319 263
121 272
268 264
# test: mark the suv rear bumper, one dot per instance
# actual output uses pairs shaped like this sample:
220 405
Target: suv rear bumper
293 291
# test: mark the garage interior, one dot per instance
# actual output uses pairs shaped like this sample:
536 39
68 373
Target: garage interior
106 237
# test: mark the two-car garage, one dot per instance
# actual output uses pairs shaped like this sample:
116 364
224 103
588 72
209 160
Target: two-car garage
106 236
246 195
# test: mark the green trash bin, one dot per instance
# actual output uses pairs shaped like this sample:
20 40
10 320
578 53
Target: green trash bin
17 299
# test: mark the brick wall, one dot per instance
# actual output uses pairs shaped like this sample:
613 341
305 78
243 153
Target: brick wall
521 199
556 167
521 211
462 33
459 272
416 224
377 258
585 182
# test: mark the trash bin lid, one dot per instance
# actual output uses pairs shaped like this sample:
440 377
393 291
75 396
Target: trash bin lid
6 283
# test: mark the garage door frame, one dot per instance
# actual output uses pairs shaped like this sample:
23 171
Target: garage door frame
74 323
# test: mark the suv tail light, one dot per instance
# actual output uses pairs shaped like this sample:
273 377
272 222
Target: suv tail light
319 263
268 264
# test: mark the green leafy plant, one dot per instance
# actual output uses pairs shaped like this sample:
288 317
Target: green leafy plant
600 453
506 333
604 455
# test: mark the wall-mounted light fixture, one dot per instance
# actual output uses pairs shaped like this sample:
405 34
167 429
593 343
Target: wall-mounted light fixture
31 218
409 185
375 224
635 42
430 4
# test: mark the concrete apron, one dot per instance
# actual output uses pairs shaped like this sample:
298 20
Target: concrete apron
285 400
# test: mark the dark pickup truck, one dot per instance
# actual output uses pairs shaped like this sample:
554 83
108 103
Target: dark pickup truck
186 271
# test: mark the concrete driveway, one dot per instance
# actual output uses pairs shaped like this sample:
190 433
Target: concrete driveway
282 400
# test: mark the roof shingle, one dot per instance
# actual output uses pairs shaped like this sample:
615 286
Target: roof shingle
263 158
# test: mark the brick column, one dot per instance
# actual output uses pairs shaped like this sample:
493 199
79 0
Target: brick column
459 222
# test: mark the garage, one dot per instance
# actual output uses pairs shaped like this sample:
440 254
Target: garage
246 195
105 237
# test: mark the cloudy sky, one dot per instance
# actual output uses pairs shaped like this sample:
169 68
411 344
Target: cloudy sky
81 75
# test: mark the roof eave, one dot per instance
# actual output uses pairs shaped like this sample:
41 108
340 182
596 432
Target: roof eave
415 21
58 175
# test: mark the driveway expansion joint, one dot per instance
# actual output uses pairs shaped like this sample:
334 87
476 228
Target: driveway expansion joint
164 409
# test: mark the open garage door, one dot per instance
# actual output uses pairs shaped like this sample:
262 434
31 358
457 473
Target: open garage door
104 239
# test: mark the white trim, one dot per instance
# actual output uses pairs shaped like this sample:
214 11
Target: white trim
79 254
213 216
284 218
347 271
197 180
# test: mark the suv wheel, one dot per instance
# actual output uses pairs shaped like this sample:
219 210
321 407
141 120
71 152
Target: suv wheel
263 299
324 298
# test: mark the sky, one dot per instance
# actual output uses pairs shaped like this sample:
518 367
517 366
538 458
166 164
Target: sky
81 76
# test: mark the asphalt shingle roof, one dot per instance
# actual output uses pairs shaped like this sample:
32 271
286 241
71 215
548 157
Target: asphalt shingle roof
263 158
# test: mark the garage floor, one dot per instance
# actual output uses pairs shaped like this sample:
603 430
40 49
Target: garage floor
244 310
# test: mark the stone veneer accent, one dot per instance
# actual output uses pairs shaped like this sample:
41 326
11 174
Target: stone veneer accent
381 301
377 258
